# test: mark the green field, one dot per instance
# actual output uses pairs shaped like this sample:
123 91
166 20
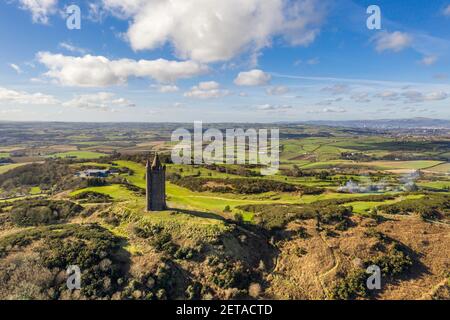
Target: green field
363 207
442 168
435 184
4 155
7 167
78 155
216 202
117 192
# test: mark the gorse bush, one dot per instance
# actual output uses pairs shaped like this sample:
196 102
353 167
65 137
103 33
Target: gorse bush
42 212
92 197
91 247
240 186
429 207
275 216
392 264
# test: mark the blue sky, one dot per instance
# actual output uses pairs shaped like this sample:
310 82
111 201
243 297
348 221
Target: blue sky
253 60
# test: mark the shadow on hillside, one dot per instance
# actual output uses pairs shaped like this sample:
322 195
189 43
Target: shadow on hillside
416 271
199 214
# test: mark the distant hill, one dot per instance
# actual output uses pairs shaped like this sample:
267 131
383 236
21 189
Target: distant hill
388 123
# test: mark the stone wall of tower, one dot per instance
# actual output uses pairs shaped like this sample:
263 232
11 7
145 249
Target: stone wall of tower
156 187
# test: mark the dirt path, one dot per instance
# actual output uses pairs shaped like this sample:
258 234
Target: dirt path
430 294
405 216
336 264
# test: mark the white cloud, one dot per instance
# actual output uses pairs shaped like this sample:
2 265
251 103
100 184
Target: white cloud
70 47
446 11
395 41
40 9
22 97
277 91
252 78
361 97
270 107
429 60
16 68
166 88
334 110
337 89
217 30
417 97
329 102
104 101
387 95
99 71
96 12
206 90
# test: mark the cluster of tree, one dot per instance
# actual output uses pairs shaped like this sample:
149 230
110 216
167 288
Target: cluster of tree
432 206
276 216
367 198
240 186
393 263
53 175
42 212
141 158
356 156
243 170
295 171
5 160
92 197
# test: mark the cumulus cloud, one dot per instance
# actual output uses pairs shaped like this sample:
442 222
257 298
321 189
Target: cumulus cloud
99 71
216 30
22 97
360 97
334 110
395 41
40 9
388 95
277 91
104 101
417 97
16 68
337 89
429 60
166 88
329 102
206 90
252 78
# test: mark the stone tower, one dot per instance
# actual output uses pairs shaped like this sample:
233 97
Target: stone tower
156 185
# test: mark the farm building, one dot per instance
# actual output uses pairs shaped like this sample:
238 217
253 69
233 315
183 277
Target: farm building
93 173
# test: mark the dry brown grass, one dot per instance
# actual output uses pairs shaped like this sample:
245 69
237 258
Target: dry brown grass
313 275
